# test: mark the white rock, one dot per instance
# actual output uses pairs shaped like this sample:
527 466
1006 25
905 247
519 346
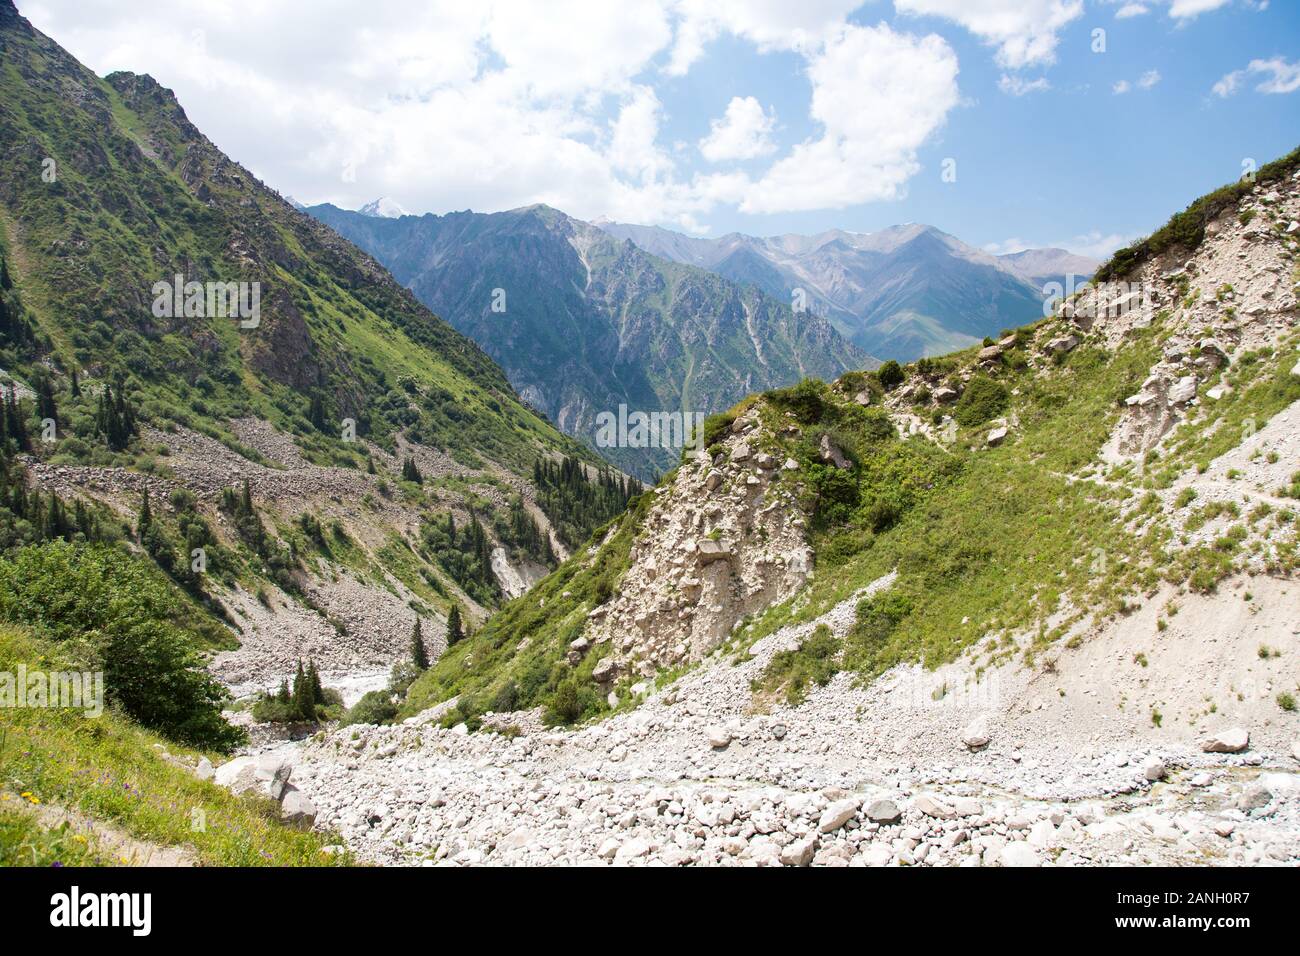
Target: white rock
997 436
1153 769
719 737
976 735
1019 854
933 808
883 811
836 815
800 852
296 808
204 770
1231 741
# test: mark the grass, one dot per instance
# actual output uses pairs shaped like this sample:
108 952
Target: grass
116 773
813 662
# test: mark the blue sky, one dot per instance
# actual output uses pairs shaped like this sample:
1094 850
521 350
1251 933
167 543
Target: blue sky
761 117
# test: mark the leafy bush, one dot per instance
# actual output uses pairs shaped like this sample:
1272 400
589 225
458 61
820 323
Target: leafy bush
890 374
374 707
120 616
983 399
806 400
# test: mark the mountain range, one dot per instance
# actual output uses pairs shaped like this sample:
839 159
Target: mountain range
902 292
584 322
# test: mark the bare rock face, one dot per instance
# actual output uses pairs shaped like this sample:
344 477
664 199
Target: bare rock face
724 540
832 454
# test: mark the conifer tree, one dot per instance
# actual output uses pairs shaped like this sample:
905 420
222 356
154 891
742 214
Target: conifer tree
419 654
455 630
145 520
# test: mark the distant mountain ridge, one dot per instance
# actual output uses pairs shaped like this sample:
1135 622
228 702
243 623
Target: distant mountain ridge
901 292
584 322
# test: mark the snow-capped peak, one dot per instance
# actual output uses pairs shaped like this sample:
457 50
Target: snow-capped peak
383 207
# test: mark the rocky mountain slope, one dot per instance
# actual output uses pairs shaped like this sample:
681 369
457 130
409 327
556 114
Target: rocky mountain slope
899 293
1034 604
352 421
583 323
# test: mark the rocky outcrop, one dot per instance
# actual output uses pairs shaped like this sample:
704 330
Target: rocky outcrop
724 539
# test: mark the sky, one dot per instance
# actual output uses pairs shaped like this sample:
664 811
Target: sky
1008 123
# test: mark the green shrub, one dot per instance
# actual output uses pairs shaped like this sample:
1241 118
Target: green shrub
982 400
118 614
806 400
890 375
814 661
374 707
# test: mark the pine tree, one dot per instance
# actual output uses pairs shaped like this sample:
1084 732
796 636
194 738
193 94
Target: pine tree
76 384
313 678
455 630
145 520
304 695
419 655
411 473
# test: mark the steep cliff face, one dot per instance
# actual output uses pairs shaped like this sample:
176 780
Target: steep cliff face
724 539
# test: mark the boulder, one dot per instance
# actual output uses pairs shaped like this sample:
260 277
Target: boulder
863 397
831 453
1254 797
933 808
1065 343
719 737
296 808
1231 741
1019 854
204 770
998 436
800 852
712 480
884 811
708 550
605 670
1153 769
945 394
1183 390
990 353
837 814
976 734
1210 349
741 452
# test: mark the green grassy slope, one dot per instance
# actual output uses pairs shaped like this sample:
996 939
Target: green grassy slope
117 775
134 195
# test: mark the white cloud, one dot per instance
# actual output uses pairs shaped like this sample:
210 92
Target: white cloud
1279 76
1015 85
1024 31
744 132
1094 245
879 95
1130 10
1187 9
446 105
768 24
1144 82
